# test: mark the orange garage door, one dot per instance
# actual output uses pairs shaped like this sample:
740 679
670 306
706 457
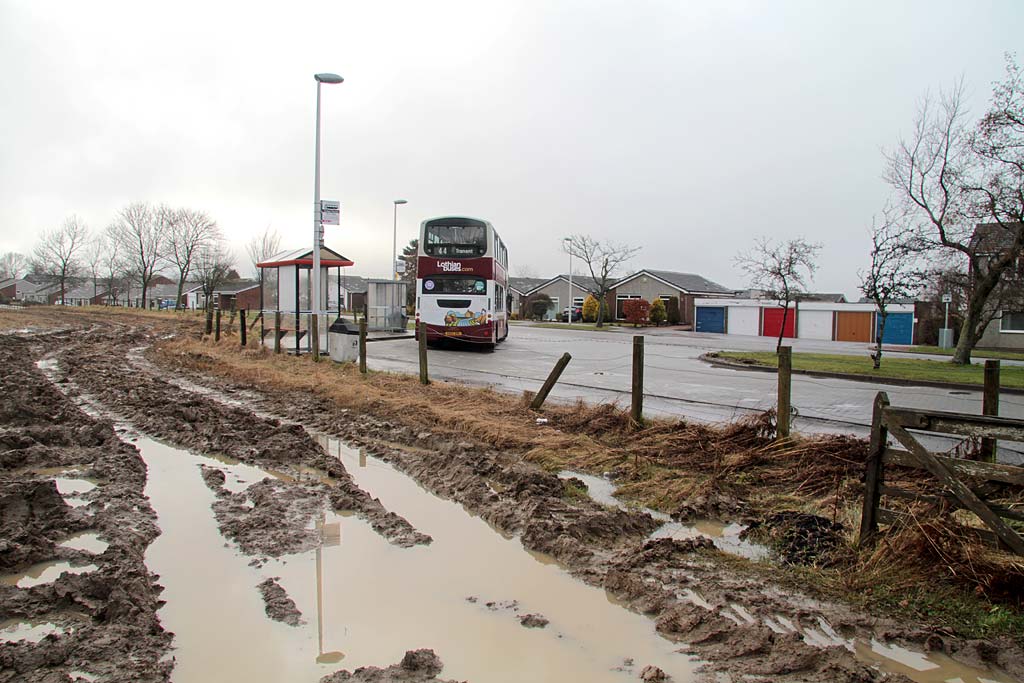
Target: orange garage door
855 327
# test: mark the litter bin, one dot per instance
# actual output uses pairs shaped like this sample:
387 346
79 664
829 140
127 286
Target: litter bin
343 339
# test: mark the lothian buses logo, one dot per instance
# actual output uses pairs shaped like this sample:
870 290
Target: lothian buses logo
451 266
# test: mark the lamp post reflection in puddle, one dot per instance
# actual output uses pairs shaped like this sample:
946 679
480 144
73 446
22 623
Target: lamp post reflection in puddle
330 535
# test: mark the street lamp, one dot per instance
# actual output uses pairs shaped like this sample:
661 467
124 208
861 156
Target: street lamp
568 247
394 240
318 227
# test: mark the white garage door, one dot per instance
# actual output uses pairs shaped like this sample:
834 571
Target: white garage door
814 325
744 320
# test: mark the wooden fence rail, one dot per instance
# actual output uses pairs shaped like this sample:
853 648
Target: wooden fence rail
962 484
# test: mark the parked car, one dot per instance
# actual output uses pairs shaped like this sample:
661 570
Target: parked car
577 314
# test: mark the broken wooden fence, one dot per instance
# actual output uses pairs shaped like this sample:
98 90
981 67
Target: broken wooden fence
962 483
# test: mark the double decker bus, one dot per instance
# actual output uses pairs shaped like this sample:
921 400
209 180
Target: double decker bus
462 281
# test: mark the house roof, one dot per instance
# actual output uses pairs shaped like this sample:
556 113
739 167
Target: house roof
85 291
584 283
236 286
304 257
353 284
690 283
160 291
525 284
991 238
828 297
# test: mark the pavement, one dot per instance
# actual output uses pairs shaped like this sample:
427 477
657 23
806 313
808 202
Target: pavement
676 382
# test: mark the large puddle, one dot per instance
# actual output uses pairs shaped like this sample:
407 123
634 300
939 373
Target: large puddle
366 601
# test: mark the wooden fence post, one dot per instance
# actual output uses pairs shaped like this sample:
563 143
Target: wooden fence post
637 408
549 383
209 320
241 327
314 336
362 346
990 406
785 384
873 473
216 327
277 331
424 378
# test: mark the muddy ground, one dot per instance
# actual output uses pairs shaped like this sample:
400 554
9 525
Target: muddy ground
111 614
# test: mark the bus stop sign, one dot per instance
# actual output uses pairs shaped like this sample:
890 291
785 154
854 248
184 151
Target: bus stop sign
330 211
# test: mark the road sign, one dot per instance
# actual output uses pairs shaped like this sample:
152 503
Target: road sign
947 298
330 211
399 266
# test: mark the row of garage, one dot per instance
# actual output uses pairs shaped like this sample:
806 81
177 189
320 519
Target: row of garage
809 320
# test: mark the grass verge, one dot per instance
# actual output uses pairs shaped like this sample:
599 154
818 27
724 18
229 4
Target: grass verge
910 369
977 353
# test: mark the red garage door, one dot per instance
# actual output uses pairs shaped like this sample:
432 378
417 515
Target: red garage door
773 323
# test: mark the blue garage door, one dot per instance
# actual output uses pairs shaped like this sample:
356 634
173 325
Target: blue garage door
711 319
899 328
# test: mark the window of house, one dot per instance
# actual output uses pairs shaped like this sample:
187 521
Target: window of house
1012 321
620 312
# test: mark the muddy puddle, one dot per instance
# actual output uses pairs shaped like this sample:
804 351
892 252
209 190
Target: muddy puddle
462 596
13 630
44 572
725 535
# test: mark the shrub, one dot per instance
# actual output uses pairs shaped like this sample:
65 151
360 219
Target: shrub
590 307
672 311
540 305
637 311
658 314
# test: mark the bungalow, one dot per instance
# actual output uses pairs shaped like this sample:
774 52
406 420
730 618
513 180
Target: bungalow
16 289
664 284
88 294
517 289
557 290
237 295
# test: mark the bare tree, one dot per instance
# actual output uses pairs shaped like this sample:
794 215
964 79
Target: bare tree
58 251
93 255
12 265
965 186
895 272
603 260
190 231
526 271
213 263
782 269
139 231
263 246
112 266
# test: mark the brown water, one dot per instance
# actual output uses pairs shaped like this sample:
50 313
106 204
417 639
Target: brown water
44 572
725 535
378 600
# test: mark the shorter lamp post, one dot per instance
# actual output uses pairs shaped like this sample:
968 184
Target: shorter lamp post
568 247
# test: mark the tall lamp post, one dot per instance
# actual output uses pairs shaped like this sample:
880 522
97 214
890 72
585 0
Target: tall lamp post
568 247
318 227
394 240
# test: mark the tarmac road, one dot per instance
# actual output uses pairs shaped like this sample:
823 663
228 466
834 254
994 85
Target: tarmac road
676 382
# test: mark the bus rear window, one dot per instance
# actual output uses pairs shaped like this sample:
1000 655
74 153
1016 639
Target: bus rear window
454 241
454 285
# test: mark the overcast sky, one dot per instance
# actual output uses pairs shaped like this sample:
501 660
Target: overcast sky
686 128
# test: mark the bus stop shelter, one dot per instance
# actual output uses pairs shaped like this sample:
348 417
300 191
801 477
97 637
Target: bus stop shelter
286 287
